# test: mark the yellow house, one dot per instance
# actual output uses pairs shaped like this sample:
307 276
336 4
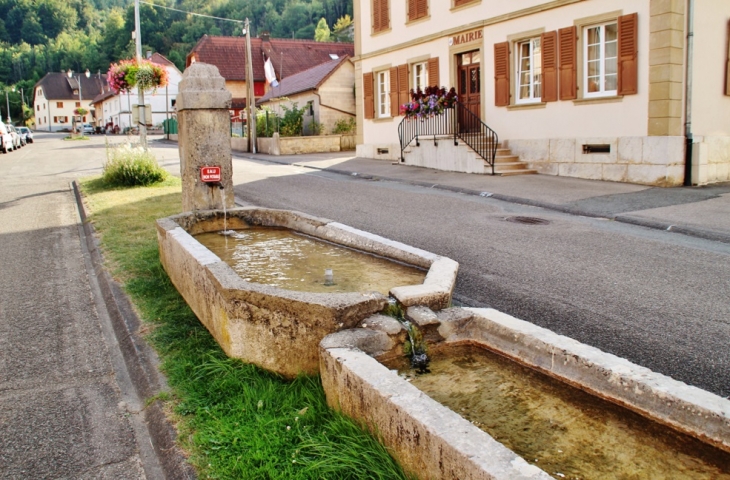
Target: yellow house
622 90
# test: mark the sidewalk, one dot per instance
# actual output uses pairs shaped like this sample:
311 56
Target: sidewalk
702 212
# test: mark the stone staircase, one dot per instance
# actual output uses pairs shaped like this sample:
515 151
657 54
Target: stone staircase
506 163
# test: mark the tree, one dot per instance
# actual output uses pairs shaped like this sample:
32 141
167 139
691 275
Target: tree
342 31
322 32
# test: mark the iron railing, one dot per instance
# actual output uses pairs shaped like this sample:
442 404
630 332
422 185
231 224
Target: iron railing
458 122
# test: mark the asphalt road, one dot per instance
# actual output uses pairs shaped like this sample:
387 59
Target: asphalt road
65 412
659 300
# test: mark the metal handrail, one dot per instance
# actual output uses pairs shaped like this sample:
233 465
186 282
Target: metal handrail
457 121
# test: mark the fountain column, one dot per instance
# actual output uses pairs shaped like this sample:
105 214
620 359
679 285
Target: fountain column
204 138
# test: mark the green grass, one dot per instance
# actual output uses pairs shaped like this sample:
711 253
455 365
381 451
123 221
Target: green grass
234 419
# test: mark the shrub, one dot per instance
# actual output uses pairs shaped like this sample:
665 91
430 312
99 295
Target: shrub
267 122
293 120
344 126
128 166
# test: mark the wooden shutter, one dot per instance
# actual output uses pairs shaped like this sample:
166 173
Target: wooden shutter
368 95
384 14
627 54
433 72
501 74
412 10
403 87
458 3
549 49
394 108
568 63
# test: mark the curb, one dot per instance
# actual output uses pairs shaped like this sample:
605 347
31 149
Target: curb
139 358
697 232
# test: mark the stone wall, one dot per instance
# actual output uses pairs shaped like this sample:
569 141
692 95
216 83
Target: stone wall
655 161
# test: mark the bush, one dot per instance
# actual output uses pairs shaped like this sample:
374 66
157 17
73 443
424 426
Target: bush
128 166
267 122
293 120
344 126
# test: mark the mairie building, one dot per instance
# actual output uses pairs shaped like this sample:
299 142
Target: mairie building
619 90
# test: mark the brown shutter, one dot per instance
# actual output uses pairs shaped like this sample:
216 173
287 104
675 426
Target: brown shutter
433 72
421 8
412 10
549 49
501 74
394 109
384 15
368 95
403 88
627 54
376 15
568 63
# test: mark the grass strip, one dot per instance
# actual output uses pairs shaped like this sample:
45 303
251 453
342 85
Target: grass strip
234 419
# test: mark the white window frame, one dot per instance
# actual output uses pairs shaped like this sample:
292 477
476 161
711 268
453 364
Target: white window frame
382 94
419 77
534 72
602 60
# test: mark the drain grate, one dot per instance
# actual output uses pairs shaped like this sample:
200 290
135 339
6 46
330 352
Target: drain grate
528 220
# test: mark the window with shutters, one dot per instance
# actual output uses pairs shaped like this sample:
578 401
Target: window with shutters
417 9
459 3
381 15
420 76
382 96
529 71
59 104
600 65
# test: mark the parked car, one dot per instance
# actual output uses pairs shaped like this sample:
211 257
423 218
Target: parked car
17 142
87 128
27 133
6 139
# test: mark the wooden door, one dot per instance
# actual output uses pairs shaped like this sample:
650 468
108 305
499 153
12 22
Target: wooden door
470 87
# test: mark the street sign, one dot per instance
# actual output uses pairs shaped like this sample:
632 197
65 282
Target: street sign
210 174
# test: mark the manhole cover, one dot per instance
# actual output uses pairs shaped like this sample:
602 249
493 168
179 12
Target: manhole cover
528 220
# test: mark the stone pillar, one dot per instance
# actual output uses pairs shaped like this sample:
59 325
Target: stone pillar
666 67
204 137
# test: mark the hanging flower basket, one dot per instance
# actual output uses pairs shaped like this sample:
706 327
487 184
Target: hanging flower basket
432 101
127 74
80 111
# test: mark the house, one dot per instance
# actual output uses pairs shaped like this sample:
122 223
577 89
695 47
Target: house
326 91
623 90
288 57
118 109
57 95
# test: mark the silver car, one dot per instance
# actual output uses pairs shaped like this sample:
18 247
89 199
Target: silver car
26 133
17 141
6 139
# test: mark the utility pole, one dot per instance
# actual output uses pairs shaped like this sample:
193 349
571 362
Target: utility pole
140 93
250 98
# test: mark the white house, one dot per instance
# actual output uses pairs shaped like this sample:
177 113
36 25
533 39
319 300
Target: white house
56 96
118 109
623 90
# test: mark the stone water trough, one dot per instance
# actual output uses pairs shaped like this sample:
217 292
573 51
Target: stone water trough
280 329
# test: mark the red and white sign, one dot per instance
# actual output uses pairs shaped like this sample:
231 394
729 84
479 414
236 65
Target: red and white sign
210 174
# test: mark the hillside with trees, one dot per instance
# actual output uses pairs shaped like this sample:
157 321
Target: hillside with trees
40 36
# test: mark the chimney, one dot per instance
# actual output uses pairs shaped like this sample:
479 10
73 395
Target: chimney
149 54
265 36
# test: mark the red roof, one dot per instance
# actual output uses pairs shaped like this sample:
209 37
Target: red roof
289 56
309 79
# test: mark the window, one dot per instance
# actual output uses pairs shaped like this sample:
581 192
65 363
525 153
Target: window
529 71
38 108
59 104
417 9
420 76
458 3
381 15
78 104
382 84
600 53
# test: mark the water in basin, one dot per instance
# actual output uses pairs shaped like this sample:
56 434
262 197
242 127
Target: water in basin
564 431
287 259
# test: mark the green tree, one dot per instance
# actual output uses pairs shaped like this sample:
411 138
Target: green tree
322 32
342 29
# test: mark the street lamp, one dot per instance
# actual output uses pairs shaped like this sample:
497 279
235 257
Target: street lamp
70 74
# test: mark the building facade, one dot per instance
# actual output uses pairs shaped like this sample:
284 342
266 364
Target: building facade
622 90
56 96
